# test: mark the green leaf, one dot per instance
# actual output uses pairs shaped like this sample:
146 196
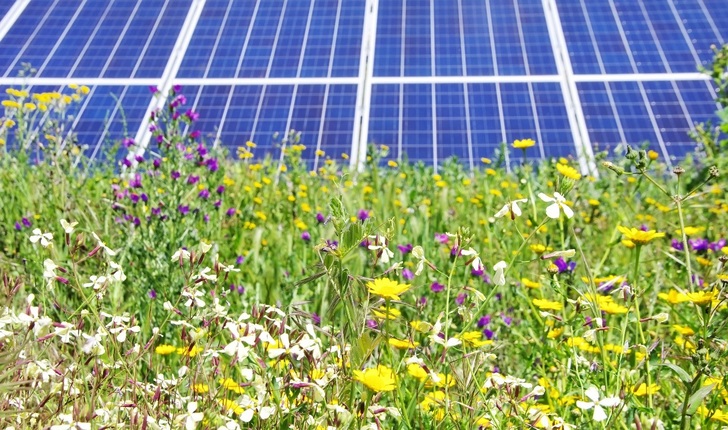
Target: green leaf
697 398
682 374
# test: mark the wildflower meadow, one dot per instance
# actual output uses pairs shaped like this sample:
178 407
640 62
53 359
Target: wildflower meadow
189 286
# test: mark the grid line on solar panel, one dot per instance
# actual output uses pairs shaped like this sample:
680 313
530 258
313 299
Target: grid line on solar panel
22 35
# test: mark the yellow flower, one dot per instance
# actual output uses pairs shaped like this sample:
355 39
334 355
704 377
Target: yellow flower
402 344
652 155
683 330
715 415
529 283
474 339
639 237
417 371
165 349
485 160
523 144
200 388
689 231
547 305
436 399
684 343
380 379
231 385
553 334
701 298
421 326
387 288
392 163
538 248
442 381
189 351
11 104
568 172
703 261
643 389
231 406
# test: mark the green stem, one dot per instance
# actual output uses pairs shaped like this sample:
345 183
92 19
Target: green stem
641 333
686 250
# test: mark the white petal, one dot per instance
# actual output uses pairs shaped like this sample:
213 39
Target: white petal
500 265
584 405
504 210
599 414
553 211
592 393
567 210
545 198
516 209
610 402
247 416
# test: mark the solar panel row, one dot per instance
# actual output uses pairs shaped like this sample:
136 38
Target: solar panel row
430 79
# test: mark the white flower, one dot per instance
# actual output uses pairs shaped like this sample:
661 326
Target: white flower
499 278
118 272
44 238
68 226
204 247
49 269
205 274
99 244
193 298
96 282
593 394
286 349
191 418
512 208
559 204
419 254
181 252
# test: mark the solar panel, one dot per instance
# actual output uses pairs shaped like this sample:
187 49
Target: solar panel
431 79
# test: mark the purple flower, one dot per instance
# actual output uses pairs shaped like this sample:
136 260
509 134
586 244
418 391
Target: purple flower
192 179
479 271
442 238
436 287
134 198
241 289
136 182
306 236
332 244
195 134
18 226
405 249
206 218
183 209
128 142
137 222
177 88
160 138
126 162
26 222
320 218
371 324
152 294
564 266
239 260
507 320
175 175
717 246
217 203
153 89
139 159
212 165
484 321
220 189
422 301
144 197
156 211
677 245
192 115
365 243
408 275
644 227
152 128
201 150
156 163
204 194
230 212
363 215
698 245
316 318
460 299
488 333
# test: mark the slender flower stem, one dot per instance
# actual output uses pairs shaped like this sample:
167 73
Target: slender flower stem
686 250
637 294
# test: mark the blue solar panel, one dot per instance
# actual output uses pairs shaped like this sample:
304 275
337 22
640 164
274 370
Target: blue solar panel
660 113
94 38
5 7
474 124
650 36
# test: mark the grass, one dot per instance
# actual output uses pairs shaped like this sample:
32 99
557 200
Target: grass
187 289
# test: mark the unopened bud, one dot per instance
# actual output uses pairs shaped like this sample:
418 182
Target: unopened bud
661 317
609 165
631 153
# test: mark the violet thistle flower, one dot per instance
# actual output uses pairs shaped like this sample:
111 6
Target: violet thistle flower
230 212
460 299
442 238
157 163
220 189
363 215
306 236
408 275
204 194
18 227
152 294
174 175
483 321
192 179
26 222
320 218
405 249
677 245
183 209
195 134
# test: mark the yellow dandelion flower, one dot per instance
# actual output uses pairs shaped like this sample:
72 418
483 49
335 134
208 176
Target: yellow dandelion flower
165 349
538 248
683 330
230 406
529 283
384 313
689 231
379 379
643 389
553 334
639 237
189 351
701 298
474 339
524 143
201 388
568 171
387 288
417 371
231 385
547 305
392 163
652 155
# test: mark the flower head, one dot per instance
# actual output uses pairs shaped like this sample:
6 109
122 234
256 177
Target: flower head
523 144
639 237
44 238
592 393
559 204
387 288
380 379
511 208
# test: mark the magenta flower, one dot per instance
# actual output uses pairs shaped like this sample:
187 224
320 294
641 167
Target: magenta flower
306 236
408 275
183 209
442 238
436 287
320 218
363 215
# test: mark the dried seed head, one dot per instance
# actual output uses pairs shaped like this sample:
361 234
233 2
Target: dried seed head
678 170
714 173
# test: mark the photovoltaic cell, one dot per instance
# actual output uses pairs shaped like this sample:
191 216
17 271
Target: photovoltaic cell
5 7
